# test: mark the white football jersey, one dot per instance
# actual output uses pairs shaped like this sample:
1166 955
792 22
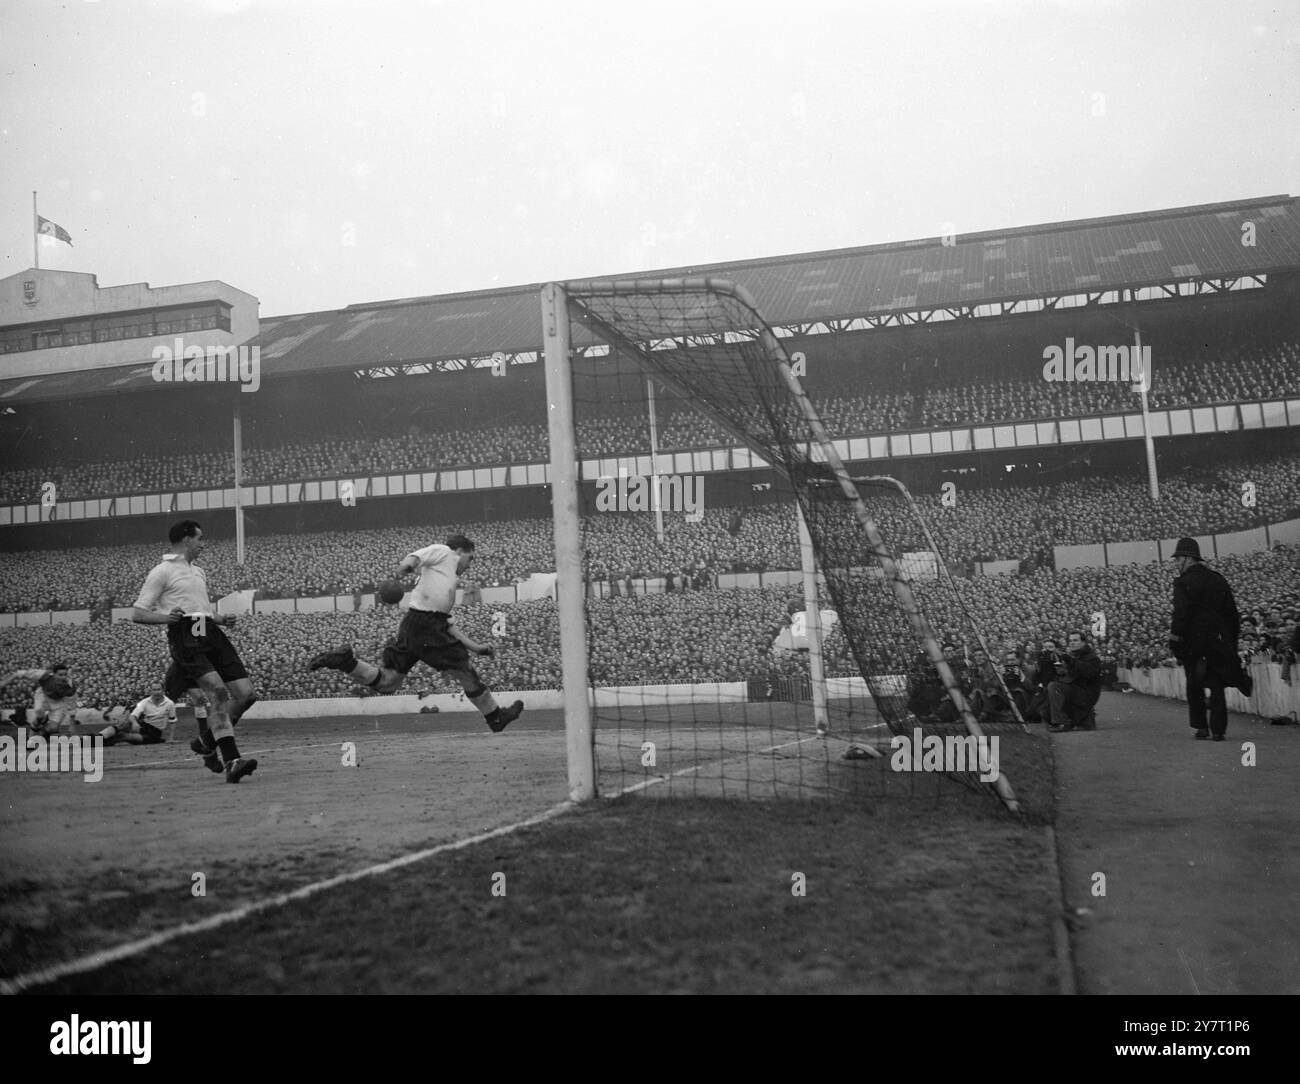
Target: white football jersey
436 589
156 715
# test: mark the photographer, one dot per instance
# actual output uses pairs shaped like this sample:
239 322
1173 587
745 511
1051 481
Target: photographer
1018 679
928 696
996 692
1040 669
1076 688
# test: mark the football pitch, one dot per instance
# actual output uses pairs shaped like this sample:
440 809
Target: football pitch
446 860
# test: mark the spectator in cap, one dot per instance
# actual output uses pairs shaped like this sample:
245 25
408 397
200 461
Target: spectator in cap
1203 638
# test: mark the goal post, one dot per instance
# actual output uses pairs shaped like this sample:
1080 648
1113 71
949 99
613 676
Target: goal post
705 341
813 624
570 582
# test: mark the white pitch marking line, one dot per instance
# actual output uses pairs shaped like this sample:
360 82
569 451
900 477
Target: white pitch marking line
699 767
1182 956
96 960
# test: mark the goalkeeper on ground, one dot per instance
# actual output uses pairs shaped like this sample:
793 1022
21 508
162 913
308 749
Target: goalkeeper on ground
54 697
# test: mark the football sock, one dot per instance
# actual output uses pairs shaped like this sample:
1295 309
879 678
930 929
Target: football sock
205 734
229 751
367 673
483 701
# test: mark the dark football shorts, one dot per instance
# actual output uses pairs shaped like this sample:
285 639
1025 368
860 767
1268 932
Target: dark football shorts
150 735
425 637
193 656
174 684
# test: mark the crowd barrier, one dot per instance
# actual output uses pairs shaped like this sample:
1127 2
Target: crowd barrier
1103 555
1271 695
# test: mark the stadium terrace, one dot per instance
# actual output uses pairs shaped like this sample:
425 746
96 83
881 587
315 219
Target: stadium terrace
1116 364
667 492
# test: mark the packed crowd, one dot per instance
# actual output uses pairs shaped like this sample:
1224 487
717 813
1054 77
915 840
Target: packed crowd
1248 373
1133 601
1251 373
1021 523
700 636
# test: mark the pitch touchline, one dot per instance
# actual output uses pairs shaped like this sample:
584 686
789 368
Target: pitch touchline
96 960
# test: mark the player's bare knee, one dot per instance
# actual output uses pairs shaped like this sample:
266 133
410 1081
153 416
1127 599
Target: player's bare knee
389 681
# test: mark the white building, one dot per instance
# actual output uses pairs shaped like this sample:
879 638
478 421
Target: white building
64 321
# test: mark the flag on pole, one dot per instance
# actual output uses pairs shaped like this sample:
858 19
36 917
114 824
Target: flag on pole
52 229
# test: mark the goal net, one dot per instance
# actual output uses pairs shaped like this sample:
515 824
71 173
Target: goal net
703 646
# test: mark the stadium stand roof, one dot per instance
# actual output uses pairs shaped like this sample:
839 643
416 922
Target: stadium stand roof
1090 256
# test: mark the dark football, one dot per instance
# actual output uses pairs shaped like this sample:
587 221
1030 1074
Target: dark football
391 592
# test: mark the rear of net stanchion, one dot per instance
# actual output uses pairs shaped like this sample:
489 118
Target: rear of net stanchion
698 451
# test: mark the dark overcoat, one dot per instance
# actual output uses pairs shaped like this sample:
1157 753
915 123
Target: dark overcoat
1206 622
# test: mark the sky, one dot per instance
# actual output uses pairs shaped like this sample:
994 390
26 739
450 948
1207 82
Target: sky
326 153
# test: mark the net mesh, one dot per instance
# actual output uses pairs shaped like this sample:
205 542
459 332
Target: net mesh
704 452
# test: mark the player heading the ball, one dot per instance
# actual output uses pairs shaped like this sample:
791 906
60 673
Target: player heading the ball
429 634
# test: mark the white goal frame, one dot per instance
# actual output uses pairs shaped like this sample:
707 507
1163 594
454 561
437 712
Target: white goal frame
570 586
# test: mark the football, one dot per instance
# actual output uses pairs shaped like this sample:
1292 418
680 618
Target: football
391 592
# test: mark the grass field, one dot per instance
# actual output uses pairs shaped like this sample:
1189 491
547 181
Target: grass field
909 883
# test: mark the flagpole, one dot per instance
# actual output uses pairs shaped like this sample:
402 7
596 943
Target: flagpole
36 236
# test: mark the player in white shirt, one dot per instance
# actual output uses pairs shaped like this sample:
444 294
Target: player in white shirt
148 723
175 594
429 634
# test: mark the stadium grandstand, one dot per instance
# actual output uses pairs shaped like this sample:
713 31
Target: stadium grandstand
332 442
